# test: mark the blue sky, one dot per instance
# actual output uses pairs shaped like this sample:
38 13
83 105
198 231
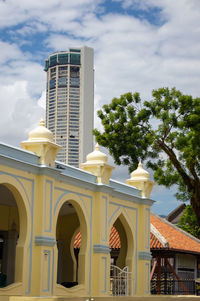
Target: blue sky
139 45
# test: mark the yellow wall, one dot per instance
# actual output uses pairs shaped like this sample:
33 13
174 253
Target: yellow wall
39 198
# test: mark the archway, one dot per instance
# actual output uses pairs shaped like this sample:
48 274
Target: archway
69 219
122 257
13 228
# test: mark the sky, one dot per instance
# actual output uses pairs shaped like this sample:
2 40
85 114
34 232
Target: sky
139 45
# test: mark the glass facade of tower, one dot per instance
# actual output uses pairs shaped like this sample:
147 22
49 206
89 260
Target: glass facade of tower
63 103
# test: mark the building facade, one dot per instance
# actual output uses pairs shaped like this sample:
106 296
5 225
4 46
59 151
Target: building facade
44 206
70 102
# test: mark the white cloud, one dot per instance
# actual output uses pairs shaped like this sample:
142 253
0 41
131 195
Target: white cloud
9 52
54 13
21 83
61 42
19 112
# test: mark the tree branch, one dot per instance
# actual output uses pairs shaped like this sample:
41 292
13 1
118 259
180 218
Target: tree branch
193 172
187 180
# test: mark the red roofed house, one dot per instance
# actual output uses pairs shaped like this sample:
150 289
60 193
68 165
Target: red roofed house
175 258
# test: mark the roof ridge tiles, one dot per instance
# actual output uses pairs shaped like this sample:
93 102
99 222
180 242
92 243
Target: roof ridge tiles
159 236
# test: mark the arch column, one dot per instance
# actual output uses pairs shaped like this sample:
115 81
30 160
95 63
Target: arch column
43 253
100 276
100 283
43 239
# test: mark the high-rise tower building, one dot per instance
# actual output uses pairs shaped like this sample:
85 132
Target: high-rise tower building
70 102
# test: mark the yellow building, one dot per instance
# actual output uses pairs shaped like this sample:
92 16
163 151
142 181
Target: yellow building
44 204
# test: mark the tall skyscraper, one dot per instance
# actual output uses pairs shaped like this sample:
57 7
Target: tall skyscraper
70 102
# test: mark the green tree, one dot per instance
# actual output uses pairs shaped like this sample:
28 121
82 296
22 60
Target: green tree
188 222
164 131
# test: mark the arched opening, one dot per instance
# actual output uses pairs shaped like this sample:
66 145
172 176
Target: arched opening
9 235
122 254
120 260
69 271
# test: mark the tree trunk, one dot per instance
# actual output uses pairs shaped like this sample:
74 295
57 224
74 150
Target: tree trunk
195 202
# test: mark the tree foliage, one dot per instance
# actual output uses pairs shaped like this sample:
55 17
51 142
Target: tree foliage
188 222
163 131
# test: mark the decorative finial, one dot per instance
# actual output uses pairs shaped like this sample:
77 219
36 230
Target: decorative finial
97 164
40 141
140 164
140 179
97 148
42 122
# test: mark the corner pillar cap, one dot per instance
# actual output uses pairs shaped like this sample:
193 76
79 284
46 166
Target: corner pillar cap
97 164
140 179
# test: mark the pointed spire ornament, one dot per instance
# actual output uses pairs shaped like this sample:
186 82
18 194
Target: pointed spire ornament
97 164
40 141
140 179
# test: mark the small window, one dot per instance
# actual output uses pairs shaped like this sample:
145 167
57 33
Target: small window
63 58
62 81
52 83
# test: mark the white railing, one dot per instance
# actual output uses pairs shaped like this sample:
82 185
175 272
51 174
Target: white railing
121 281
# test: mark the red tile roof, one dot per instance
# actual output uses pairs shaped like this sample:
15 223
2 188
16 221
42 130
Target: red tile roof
177 239
114 241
